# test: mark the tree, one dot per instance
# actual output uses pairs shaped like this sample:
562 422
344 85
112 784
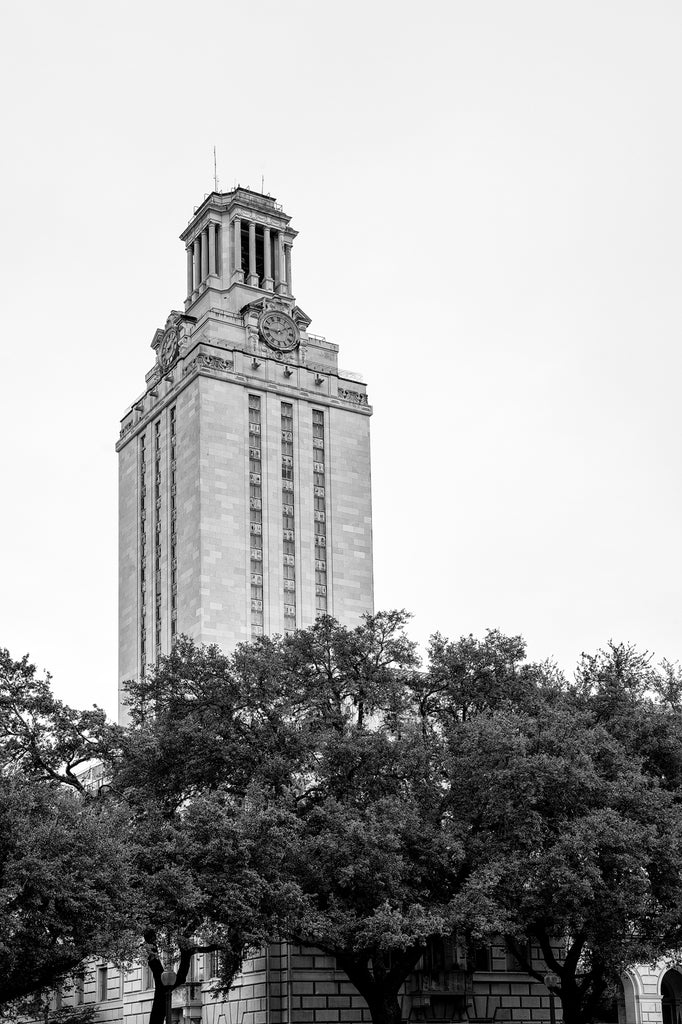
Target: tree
323 787
371 858
64 869
317 733
64 875
572 836
42 737
153 863
207 849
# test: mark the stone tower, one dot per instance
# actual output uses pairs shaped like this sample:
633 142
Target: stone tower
244 467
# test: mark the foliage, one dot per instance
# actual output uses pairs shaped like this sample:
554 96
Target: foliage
40 1008
207 849
64 879
309 736
324 787
41 737
575 826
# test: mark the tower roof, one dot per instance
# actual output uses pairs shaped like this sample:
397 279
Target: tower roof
238 198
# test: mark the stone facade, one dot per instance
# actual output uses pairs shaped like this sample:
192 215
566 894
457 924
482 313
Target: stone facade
293 985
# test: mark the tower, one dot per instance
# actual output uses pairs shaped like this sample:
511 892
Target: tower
244 467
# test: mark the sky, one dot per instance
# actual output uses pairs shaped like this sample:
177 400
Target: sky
487 194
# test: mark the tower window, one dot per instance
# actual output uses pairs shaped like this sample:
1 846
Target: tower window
255 514
288 516
319 512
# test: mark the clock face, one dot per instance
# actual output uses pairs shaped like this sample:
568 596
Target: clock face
170 348
279 331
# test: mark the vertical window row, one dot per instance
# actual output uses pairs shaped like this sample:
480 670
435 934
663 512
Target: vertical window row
157 538
319 513
288 506
173 530
143 553
256 514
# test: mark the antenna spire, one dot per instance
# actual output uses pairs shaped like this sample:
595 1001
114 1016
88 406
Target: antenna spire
215 171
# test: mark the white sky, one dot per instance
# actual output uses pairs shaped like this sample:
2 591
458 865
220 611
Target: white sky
489 206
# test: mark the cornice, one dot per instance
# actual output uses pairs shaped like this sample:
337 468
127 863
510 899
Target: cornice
221 367
243 203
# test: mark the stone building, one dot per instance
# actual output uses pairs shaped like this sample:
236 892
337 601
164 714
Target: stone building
245 508
244 467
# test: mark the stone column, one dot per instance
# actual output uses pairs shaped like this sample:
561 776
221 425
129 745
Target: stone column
253 276
217 261
197 262
190 271
267 260
211 249
275 260
237 272
280 282
287 262
204 254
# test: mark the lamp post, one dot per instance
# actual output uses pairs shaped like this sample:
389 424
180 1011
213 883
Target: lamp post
551 981
168 980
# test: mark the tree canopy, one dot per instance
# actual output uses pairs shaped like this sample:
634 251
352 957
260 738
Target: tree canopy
65 873
479 795
328 788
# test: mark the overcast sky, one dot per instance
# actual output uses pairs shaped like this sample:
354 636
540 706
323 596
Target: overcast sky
489 206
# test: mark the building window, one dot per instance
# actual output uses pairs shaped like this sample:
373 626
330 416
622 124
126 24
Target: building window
157 539
147 978
102 984
143 550
173 528
255 515
320 513
515 965
482 960
212 962
288 517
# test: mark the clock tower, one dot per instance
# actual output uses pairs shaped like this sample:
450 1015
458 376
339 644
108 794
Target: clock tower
244 485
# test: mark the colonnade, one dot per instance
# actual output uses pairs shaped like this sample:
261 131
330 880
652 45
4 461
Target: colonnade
204 257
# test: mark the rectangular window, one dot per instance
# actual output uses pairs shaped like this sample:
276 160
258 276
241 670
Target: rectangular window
482 958
288 514
102 984
319 512
212 965
256 515
147 978
513 964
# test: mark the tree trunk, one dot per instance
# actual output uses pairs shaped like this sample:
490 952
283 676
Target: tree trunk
379 985
157 1013
385 1008
572 1010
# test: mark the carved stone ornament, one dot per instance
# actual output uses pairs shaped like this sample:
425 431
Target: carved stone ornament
353 396
205 362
